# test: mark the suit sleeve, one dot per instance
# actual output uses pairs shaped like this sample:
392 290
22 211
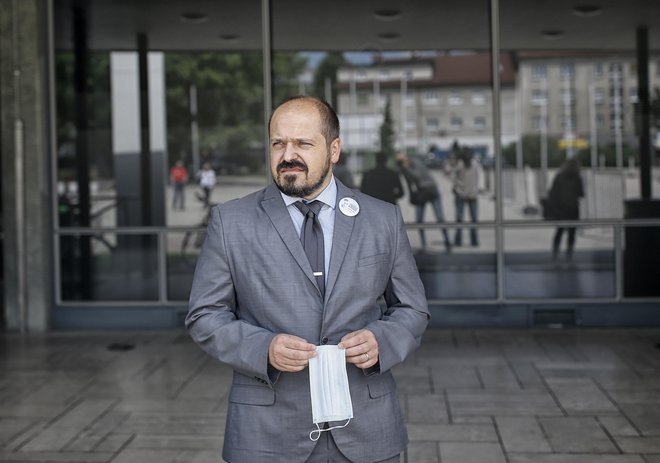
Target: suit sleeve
399 331
212 320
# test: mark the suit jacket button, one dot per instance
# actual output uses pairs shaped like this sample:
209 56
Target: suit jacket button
324 341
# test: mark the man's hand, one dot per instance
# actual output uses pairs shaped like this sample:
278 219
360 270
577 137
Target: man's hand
361 348
290 353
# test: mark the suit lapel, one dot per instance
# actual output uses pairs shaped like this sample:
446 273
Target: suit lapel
341 238
274 206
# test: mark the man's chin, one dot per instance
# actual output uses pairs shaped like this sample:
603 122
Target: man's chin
289 186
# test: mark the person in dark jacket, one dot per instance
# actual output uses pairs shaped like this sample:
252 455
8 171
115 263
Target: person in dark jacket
564 199
382 182
423 190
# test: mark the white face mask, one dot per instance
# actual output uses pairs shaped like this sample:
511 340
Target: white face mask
328 385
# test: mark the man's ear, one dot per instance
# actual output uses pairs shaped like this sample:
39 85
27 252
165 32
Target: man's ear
335 150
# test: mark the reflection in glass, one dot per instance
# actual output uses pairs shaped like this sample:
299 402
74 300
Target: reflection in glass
182 252
84 198
427 104
533 270
120 267
214 129
467 272
574 98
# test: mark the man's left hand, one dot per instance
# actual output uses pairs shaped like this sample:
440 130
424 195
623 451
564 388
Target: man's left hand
361 348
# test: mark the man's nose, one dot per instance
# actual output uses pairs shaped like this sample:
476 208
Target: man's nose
289 152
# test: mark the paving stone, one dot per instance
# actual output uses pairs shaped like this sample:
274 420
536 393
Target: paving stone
452 432
131 455
618 426
472 419
498 377
522 435
527 375
204 387
91 437
461 452
175 442
426 408
423 452
580 396
65 428
114 442
173 423
469 396
10 428
576 434
573 458
628 382
25 409
455 377
52 457
413 379
502 402
637 397
639 444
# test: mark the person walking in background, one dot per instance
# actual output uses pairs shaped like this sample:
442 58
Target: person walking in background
465 175
564 204
207 182
382 182
178 179
422 189
269 300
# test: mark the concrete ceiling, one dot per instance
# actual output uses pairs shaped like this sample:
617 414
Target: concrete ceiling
352 25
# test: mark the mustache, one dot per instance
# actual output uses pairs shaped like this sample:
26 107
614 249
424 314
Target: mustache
291 165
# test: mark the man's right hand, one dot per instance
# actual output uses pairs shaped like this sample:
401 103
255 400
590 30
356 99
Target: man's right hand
290 353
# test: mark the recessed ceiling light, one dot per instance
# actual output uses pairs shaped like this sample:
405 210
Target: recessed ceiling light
193 18
587 10
387 14
229 37
552 34
389 36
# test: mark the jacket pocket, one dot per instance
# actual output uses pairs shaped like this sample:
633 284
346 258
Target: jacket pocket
371 260
251 395
380 385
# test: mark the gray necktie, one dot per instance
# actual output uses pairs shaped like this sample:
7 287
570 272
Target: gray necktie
311 236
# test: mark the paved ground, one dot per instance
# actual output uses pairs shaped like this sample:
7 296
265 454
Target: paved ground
551 396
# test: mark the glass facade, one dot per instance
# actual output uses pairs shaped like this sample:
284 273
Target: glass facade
163 115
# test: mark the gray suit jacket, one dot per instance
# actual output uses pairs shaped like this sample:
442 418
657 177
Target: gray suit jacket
253 281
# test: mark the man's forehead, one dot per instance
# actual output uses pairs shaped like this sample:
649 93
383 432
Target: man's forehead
290 118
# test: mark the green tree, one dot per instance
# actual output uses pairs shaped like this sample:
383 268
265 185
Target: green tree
531 148
287 68
98 114
230 111
327 70
387 132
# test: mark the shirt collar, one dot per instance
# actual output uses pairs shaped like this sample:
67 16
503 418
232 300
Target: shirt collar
327 196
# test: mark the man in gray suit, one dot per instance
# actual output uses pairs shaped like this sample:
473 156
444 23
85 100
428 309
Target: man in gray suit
257 304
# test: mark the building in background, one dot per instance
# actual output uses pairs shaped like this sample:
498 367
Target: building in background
99 98
435 101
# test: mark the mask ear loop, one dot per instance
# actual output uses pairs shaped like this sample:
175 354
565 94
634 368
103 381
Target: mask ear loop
319 430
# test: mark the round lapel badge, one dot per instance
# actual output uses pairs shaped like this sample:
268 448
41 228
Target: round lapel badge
349 207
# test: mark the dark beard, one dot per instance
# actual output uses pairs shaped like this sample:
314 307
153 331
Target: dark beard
287 183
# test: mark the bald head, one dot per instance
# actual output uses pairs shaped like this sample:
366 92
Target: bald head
327 116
